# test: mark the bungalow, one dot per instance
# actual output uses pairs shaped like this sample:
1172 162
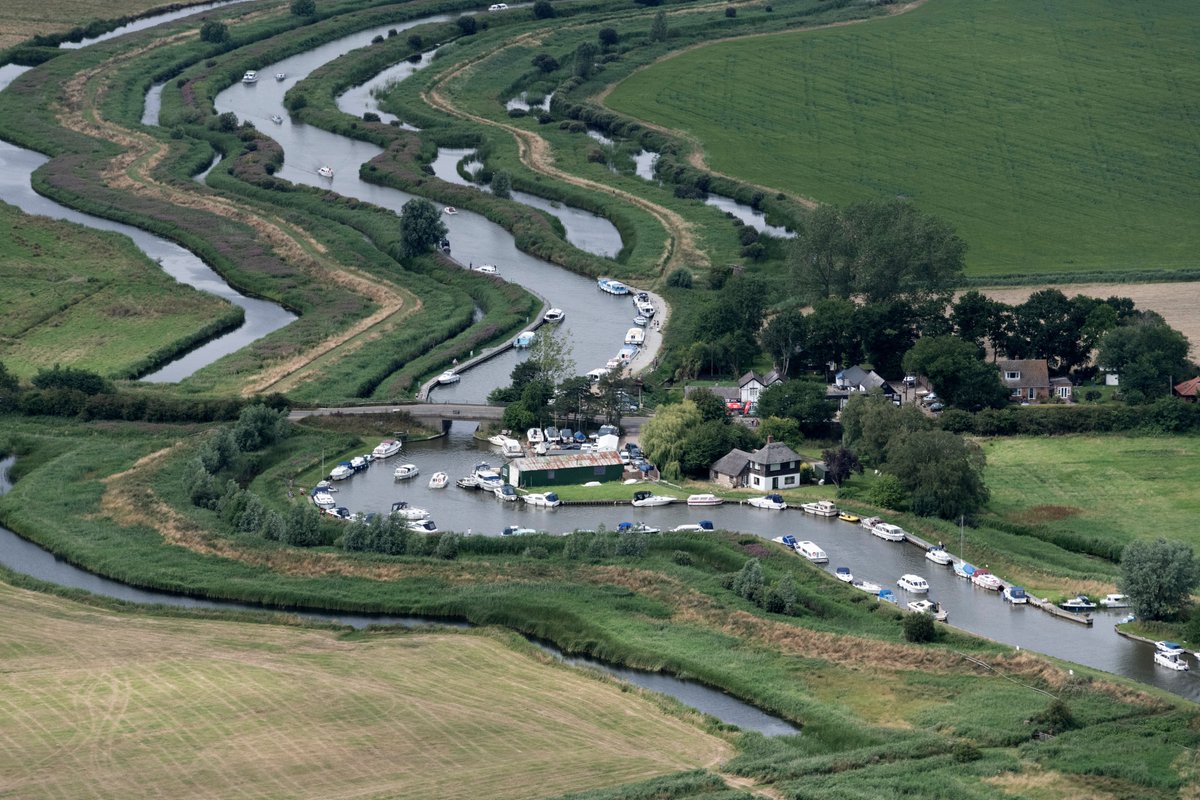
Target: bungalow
773 466
856 380
1188 390
1027 379
576 468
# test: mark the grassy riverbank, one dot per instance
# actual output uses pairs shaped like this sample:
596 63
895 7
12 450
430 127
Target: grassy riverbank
112 499
83 298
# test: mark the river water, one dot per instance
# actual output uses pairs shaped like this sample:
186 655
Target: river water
595 322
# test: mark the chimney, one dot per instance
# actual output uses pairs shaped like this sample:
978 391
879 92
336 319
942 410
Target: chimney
770 438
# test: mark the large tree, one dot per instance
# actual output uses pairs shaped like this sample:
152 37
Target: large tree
803 401
783 337
941 471
1149 355
977 318
957 372
664 436
870 422
421 226
882 250
1158 576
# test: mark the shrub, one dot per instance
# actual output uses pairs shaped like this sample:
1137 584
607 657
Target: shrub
517 113
544 118
680 279
378 39
543 10
415 41
965 752
447 546
545 62
466 25
888 492
683 558
919 628
1056 718
608 37
730 12
304 8
72 378
215 32
536 552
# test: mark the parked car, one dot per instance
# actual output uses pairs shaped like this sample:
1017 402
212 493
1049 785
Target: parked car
936 406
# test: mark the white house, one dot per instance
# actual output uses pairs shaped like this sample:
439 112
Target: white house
751 385
772 467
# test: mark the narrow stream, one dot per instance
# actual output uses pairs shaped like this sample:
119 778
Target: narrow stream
149 22
29 559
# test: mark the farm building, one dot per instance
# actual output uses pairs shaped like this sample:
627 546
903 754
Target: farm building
575 468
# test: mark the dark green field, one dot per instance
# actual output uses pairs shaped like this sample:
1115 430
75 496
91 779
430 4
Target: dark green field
1058 137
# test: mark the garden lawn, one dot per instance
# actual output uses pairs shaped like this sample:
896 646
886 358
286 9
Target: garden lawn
83 298
1057 137
104 704
1118 487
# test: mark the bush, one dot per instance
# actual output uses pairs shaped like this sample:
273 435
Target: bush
517 113
72 378
680 279
215 32
608 37
888 492
965 752
730 12
543 10
466 25
919 628
304 8
683 558
415 41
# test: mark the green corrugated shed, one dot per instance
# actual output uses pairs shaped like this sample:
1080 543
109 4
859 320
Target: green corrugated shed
575 468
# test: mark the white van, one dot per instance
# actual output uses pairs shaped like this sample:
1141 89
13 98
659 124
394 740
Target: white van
497 6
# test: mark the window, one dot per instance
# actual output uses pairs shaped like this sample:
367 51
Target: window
791 465
789 480
549 474
1032 393
1016 392
1064 392
598 470
1012 376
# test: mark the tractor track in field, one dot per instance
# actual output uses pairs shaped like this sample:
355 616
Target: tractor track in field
695 155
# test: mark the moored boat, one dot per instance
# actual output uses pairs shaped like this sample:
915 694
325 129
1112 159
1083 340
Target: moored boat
341 471
1015 595
821 508
405 471
929 607
514 530
543 500
866 586
554 315
534 436
438 480
811 551
1170 657
773 502
636 527
888 596
450 210
649 499
869 522
641 320
888 532
1078 603
506 492
963 569
787 540
423 525
694 527
704 500
846 516
1115 601
387 448
487 269
844 574
986 580
250 76
938 555
524 339
323 500
402 509
612 287
913 583
635 335
449 376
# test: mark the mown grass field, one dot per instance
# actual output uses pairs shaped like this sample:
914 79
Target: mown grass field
1119 487
88 299
1057 137
104 704
22 19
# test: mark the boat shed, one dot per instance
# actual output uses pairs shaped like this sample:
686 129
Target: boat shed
558 470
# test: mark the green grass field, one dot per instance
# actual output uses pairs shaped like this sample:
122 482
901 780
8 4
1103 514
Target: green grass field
1119 487
104 704
87 299
1057 137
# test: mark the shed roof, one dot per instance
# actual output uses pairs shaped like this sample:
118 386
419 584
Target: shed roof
604 458
1188 388
732 463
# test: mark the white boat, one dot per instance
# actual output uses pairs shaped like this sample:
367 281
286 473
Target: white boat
844 574
513 530
787 540
612 287
929 607
487 269
324 500
1078 603
250 77
280 76
403 510
341 472
423 525
1169 647
649 499
387 448
645 308
486 477
359 463
639 527
438 480
938 555
555 315
449 376
1015 595
986 580
278 120
888 532
1115 601
542 500
450 210
467 482
866 586
704 500
524 340
963 570
913 583
869 522
640 320
821 508
512 449
325 171
498 440
635 336
773 502
811 551
1171 660
534 436
694 527
405 471
506 492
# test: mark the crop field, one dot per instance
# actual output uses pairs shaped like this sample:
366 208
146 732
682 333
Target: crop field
1118 487
1057 137
81 298
22 19
101 704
